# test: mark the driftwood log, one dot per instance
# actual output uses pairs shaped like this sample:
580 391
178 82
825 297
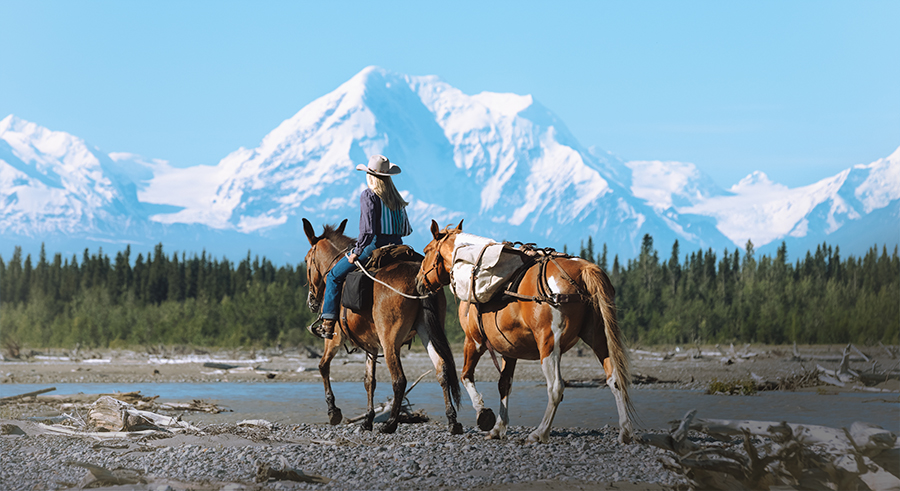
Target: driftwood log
108 414
4 400
99 476
195 405
844 376
781 455
265 472
406 413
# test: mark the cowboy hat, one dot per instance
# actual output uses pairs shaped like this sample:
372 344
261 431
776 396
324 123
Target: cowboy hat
379 165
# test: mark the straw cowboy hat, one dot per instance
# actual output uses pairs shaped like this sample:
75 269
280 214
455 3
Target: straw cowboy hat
379 165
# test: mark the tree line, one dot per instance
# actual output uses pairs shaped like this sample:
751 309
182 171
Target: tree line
204 301
702 297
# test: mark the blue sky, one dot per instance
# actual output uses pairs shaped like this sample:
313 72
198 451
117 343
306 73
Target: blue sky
799 90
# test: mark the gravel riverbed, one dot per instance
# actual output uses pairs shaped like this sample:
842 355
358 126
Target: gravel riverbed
224 456
418 456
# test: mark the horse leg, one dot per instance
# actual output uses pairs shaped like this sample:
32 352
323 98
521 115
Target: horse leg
331 346
550 357
485 418
594 338
612 380
370 392
498 432
444 377
398 379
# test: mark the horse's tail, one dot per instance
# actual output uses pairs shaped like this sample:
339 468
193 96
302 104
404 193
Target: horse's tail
438 337
602 298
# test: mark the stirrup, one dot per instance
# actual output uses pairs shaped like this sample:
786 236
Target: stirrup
314 327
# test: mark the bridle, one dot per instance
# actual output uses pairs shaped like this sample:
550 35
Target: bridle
312 263
437 270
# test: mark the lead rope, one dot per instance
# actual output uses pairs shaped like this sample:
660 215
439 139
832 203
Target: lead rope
412 297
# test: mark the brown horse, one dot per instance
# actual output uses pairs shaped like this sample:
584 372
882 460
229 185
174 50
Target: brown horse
390 322
536 323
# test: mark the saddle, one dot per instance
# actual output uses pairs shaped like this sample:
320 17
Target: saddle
357 292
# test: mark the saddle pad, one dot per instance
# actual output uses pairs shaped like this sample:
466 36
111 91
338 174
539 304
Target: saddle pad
357 292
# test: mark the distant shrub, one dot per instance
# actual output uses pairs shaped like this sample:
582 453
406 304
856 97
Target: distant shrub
732 387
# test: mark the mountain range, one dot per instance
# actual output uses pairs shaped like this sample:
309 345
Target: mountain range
503 162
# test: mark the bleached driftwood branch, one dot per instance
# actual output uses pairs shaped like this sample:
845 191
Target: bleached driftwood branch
385 407
795 455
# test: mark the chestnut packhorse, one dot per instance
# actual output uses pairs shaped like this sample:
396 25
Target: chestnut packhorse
390 322
558 300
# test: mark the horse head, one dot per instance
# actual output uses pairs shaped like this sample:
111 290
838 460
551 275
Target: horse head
323 253
435 270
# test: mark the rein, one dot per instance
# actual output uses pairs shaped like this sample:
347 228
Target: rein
411 297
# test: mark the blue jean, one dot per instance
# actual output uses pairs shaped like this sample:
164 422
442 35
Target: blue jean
334 280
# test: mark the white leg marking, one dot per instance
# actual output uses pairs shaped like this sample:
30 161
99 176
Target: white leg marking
433 354
550 367
625 428
477 400
499 430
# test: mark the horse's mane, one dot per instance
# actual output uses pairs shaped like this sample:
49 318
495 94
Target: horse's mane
339 240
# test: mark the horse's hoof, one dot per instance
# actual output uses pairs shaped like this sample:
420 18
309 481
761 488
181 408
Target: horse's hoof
486 419
388 427
367 425
625 437
456 429
335 417
495 435
535 438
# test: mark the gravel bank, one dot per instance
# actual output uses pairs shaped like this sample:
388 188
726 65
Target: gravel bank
420 456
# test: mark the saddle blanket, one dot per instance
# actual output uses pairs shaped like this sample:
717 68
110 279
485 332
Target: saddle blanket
481 267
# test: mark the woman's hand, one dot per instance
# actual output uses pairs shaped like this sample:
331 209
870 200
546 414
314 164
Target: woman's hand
352 258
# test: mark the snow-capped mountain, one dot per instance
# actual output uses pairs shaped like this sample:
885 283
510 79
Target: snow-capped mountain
52 182
503 162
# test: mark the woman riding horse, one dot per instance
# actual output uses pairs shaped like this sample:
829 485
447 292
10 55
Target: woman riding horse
393 315
382 221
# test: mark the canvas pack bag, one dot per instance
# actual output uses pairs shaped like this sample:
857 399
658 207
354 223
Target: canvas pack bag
481 267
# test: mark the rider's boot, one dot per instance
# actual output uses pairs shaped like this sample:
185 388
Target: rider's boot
327 329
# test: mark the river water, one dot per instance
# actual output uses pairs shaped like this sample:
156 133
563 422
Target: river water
291 403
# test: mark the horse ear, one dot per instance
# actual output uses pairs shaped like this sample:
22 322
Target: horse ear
459 227
340 229
310 232
435 230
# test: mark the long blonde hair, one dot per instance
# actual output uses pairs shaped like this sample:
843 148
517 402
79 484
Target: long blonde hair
385 189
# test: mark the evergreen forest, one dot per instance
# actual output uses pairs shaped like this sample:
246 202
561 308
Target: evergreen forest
700 297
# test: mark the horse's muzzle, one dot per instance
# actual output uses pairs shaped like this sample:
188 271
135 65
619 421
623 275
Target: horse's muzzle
422 288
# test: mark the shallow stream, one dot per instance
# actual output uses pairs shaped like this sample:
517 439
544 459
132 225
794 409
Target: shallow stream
292 403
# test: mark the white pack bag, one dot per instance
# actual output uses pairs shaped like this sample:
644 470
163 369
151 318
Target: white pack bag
493 264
